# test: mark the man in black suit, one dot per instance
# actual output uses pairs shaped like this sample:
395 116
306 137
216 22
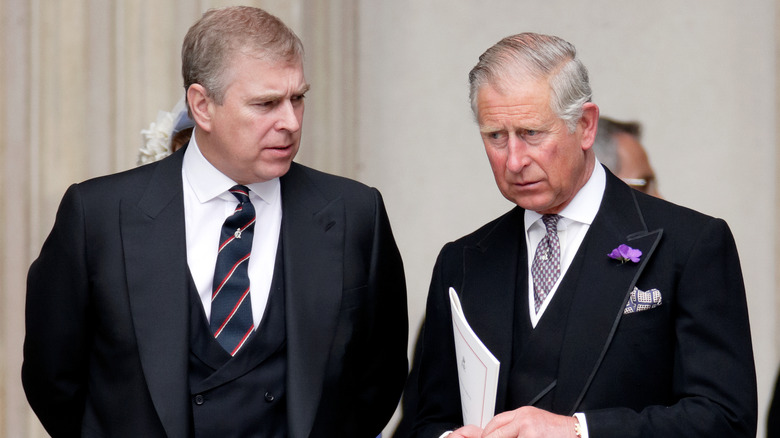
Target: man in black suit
613 313
122 334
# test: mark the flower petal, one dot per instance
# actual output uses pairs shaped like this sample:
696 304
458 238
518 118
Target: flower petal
625 253
634 255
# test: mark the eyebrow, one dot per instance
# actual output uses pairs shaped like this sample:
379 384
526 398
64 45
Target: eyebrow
537 126
485 129
276 96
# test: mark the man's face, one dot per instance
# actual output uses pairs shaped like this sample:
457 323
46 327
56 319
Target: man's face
255 133
536 162
634 165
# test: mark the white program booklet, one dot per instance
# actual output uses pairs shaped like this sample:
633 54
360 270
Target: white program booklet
477 369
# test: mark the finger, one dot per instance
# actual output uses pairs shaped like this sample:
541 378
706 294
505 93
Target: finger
509 430
468 431
498 421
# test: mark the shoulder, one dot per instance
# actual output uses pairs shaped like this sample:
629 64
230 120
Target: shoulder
163 175
659 213
508 226
302 178
673 219
103 192
326 181
123 180
137 178
684 231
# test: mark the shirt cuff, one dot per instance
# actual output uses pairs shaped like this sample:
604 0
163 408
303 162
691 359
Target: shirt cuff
445 434
583 424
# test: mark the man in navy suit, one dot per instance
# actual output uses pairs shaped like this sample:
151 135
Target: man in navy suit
613 313
120 339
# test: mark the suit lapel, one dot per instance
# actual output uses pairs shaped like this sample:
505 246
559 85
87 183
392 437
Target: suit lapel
312 240
154 242
488 291
601 288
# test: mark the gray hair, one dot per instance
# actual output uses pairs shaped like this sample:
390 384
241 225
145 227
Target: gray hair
605 145
538 57
221 33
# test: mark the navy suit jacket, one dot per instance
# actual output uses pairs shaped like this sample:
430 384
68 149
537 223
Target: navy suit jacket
683 369
107 313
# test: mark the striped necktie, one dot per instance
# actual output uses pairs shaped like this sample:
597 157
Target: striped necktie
231 306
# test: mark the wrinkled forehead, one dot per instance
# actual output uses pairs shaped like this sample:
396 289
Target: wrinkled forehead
507 76
530 93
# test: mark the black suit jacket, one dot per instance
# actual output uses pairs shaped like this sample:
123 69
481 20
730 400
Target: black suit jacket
683 369
107 313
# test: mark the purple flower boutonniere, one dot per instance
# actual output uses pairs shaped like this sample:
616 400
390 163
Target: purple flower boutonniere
625 253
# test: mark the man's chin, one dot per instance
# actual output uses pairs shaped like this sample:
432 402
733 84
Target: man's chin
278 170
265 173
533 203
526 197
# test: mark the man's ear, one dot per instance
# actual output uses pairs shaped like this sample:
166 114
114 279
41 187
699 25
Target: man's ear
200 106
589 123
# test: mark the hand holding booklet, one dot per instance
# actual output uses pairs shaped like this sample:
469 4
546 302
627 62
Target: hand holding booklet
477 369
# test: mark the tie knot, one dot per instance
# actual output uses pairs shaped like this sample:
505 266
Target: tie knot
241 193
551 222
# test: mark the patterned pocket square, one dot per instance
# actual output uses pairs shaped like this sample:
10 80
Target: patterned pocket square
642 300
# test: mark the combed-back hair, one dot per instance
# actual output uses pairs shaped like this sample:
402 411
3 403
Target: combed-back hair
532 56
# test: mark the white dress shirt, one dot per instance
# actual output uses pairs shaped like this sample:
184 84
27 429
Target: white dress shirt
572 227
207 203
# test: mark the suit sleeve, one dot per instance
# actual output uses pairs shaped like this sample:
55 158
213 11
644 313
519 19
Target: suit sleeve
437 392
384 371
54 371
714 383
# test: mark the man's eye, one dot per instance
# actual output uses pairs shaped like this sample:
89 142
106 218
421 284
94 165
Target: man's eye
531 132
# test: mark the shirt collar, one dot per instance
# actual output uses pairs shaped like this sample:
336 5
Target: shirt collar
586 202
207 182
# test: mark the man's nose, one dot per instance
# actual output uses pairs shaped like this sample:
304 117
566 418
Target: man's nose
287 117
517 154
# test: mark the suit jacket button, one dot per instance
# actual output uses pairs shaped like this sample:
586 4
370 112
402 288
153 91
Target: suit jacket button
269 397
199 400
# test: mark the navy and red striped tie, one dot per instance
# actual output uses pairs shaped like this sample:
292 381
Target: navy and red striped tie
231 306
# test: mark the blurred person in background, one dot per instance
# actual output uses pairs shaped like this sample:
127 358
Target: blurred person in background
618 146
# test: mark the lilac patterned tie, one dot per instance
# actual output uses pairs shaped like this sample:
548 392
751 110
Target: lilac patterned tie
546 267
231 306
